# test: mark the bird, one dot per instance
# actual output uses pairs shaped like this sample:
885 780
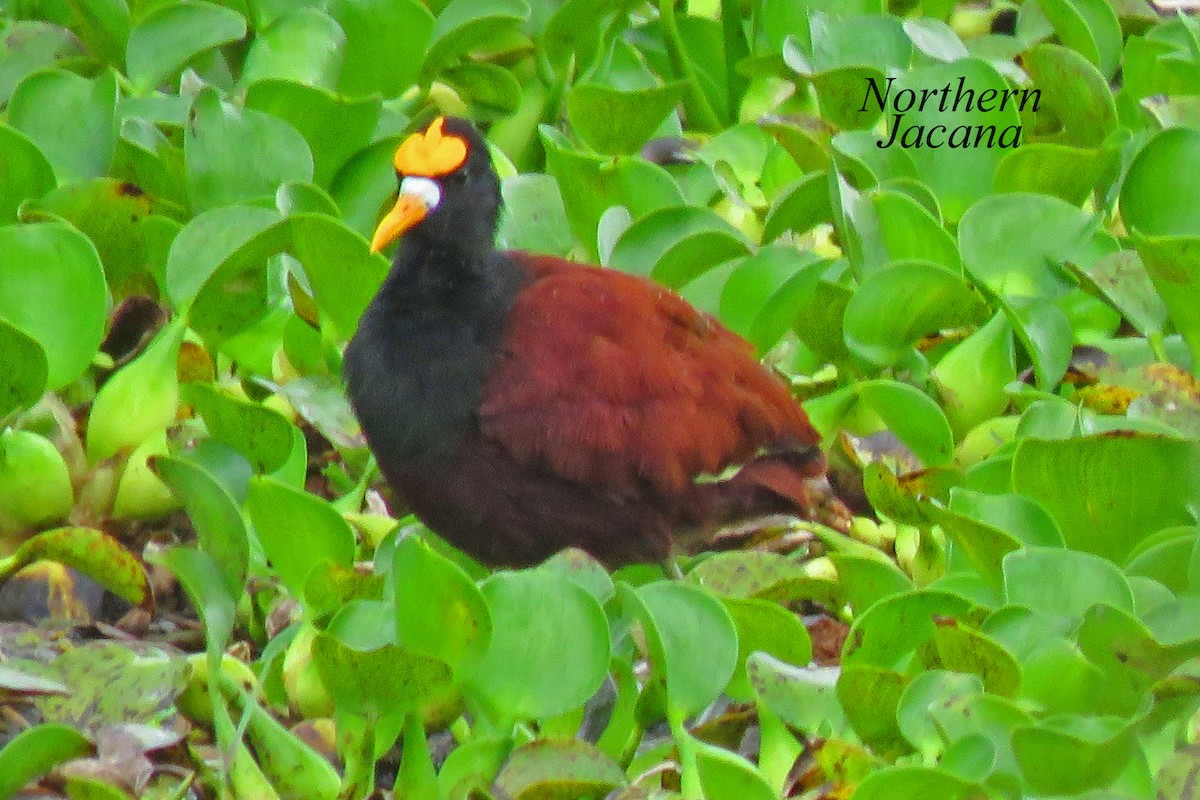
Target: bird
521 404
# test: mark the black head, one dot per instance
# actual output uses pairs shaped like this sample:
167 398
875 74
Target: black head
449 195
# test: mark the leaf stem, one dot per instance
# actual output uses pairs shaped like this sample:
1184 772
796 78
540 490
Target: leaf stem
700 115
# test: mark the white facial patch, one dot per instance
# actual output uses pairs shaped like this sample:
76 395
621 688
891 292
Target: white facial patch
424 189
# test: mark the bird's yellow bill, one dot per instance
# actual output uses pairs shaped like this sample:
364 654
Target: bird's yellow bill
408 211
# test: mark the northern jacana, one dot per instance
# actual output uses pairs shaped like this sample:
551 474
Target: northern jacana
521 404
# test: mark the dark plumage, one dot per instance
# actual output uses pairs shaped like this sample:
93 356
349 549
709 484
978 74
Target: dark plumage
521 404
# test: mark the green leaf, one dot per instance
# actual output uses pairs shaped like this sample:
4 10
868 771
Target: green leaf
72 120
910 232
27 172
803 697
388 680
487 86
912 416
765 292
140 400
674 245
169 36
439 610
1059 170
541 226
262 435
205 242
1015 244
91 552
897 625
692 641
103 26
614 121
726 774
284 518
799 207
219 528
895 306
334 127
464 25
401 29
35 751
207 586
972 375
302 45
23 378
765 627
1128 486
911 781
1069 755
870 696
1045 332
1073 92
590 185
342 272
29 45
120 219
549 649
235 156
557 768
1090 27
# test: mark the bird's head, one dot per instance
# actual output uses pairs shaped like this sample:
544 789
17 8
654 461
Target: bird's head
449 193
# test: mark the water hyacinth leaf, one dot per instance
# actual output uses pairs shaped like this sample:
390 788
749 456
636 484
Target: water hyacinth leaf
799 207
329 251
37 750
208 240
46 266
1089 27
464 25
803 697
239 155
1141 483
302 45
283 516
1018 515
439 610
30 45
866 579
547 767
169 36
691 639
24 376
1158 170
1016 243
488 86
1173 264
140 400
959 647
971 377
590 185
724 773
1072 754
895 306
261 434
1074 92
71 119
765 627
915 781
910 232
336 128
549 649
542 225
27 172
676 244
1124 281
763 293
896 626
217 520
1064 171
870 696
927 691
1083 580
387 680
400 28
92 552
117 216
614 121
912 416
